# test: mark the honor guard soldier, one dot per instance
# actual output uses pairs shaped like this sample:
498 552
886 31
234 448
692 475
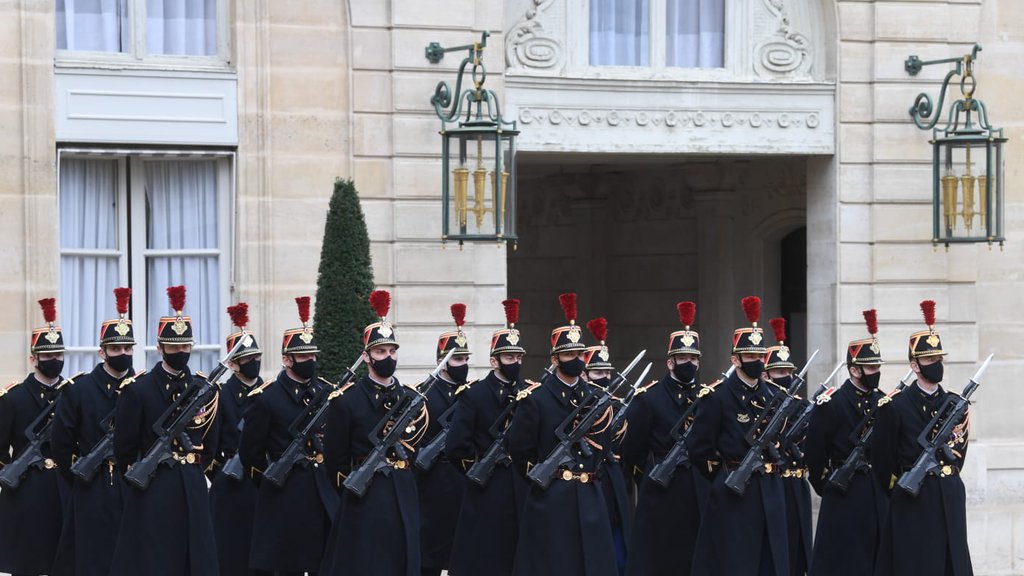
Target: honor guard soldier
166 528
926 533
779 370
389 510
846 540
233 496
667 517
618 498
83 422
30 503
488 524
441 486
739 534
292 521
565 528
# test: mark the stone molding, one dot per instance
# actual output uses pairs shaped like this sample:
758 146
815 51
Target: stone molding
655 119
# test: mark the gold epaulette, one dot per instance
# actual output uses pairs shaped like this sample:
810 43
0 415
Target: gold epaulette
70 381
531 386
339 391
9 387
259 389
645 388
130 379
826 396
706 389
464 387
888 397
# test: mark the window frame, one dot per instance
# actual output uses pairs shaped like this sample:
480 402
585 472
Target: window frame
132 260
139 58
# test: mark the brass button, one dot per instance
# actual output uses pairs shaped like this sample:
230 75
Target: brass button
319 458
49 464
566 475
190 458
947 470
768 468
584 477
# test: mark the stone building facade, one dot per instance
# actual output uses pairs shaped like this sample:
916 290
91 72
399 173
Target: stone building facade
788 169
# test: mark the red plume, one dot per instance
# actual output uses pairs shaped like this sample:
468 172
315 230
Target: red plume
752 308
122 295
303 303
928 307
49 306
687 312
239 314
459 314
871 319
176 294
511 310
568 302
599 328
380 301
779 326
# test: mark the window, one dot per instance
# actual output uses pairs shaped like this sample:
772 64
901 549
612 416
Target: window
142 28
630 33
147 222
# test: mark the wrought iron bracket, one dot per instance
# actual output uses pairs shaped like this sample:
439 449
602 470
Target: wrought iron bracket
922 111
435 52
913 64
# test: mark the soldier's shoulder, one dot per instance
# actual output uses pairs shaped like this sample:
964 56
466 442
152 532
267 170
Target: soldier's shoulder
896 398
260 389
465 387
527 390
826 396
646 388
131 380
8 387
70 381
340 391
707 389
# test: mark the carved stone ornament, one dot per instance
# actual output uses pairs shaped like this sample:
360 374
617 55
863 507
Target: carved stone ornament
784 54
668 119
531 43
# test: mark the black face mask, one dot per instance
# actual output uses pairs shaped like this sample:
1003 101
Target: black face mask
119 363
753 368
572 368
602 382
50 368
932 372
685 372
870 381
251 369
510 371
177 360
458 373
784 381
305 369
384 367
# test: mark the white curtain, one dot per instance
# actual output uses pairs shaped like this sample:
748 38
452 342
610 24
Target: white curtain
88 221
181 214
694 32
92 25
182 27
619 33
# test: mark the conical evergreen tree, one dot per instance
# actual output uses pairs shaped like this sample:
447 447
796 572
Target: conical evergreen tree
344 283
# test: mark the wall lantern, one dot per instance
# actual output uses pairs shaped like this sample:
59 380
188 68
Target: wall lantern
478 155
967 159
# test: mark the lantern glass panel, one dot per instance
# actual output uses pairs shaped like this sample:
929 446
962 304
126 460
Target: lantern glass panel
478 175
966 179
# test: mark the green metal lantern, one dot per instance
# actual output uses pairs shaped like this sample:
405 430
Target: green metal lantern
967 160
478 152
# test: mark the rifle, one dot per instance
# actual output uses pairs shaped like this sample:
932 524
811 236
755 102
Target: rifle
480 472
304 429
544 472
677 455
85 468
738 479
233 467
949 416
38 433
841 477
173 424
427 455
623 404
795 430
397 419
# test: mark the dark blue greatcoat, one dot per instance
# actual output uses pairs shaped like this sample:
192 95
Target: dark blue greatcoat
926 534
440 488
488 524
291 523
667 519
31 516
91 521
849 523
378 533
738 534
565 528
166 529
233 502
